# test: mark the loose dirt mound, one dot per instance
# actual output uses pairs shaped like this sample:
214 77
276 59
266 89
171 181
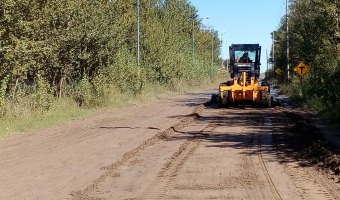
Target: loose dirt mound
304 142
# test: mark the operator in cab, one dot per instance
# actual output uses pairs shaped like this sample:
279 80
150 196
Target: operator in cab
245 58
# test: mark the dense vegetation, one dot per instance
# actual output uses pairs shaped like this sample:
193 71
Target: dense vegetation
86 50
314 38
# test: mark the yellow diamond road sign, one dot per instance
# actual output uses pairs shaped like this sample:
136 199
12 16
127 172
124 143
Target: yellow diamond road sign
278 70
301 69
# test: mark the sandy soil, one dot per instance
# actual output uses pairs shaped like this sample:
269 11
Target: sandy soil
174 149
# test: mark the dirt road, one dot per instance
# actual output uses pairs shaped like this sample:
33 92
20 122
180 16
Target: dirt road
174 149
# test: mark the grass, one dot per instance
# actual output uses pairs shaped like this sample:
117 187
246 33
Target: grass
313 103
21 120
63 111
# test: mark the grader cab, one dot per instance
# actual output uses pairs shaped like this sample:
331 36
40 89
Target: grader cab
245 86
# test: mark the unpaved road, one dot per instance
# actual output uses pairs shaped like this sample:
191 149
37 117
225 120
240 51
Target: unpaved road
173 149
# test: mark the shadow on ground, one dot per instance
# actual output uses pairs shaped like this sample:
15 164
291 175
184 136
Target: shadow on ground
294 139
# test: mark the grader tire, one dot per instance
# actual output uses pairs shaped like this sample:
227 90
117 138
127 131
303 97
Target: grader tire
223 102
214 98
266 99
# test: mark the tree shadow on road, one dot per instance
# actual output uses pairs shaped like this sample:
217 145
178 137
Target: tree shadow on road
284 135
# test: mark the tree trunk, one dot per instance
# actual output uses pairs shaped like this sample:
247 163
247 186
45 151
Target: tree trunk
15 86
60 86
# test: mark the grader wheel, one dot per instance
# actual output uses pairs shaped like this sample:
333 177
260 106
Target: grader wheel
266 99
223 102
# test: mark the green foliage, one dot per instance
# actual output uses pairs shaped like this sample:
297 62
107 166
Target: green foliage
3 88
86 50
82 92
314 39
42 98
124 72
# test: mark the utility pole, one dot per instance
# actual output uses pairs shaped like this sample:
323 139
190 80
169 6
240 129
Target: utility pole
337 29
193 43
193 37
287 40
222 45
212 52
267 59
273 51
138 37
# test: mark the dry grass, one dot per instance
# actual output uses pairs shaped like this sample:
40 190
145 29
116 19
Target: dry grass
20 119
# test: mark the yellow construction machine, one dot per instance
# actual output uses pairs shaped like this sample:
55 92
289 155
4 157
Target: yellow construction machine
245 86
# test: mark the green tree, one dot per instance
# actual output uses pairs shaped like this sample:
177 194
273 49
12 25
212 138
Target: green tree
314 39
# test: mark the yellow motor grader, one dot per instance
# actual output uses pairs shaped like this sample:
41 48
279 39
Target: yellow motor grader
245 86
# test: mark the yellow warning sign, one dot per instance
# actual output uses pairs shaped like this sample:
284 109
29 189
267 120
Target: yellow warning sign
301 69
278 70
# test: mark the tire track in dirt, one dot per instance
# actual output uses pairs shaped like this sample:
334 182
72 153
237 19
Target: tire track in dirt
111 169
168 173
302 177
254 152
256 183
266 122
310 183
